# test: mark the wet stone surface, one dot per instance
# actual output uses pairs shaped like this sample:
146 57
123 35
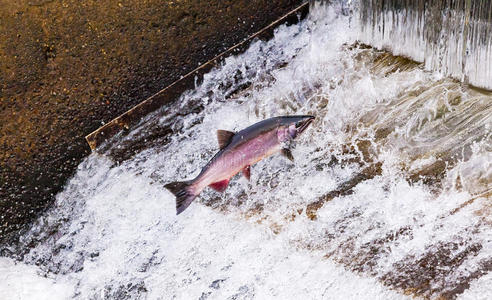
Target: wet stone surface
67 67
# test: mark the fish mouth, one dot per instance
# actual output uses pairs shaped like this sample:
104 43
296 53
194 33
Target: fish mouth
302 125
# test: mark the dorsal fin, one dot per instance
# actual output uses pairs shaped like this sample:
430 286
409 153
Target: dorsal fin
224 137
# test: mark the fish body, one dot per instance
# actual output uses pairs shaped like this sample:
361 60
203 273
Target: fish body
238 151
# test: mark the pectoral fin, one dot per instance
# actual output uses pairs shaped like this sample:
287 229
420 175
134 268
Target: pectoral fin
247 172
220 186
286 152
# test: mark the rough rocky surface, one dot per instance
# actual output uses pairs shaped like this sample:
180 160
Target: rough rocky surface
68 66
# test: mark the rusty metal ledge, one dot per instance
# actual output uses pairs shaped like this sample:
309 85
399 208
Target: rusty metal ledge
174 90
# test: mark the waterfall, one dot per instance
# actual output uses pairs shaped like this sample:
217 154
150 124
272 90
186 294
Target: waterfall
453 37
389 196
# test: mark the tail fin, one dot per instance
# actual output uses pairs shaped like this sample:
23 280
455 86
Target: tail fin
183 193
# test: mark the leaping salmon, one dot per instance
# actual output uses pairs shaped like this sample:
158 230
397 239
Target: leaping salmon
238 152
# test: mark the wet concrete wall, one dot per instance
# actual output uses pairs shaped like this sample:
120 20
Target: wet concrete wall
67 67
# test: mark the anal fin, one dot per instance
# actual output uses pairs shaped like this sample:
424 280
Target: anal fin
220 186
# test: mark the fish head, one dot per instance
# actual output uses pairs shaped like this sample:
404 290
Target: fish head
292 126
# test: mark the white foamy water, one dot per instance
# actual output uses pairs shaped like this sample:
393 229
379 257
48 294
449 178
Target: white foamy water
388 198
21 281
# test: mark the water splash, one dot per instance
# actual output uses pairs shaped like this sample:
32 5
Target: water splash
389 194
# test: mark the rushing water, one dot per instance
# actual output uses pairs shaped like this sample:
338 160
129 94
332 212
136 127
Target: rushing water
389 195
453 37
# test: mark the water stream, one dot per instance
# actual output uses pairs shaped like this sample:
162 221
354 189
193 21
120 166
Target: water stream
389 196
452 37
